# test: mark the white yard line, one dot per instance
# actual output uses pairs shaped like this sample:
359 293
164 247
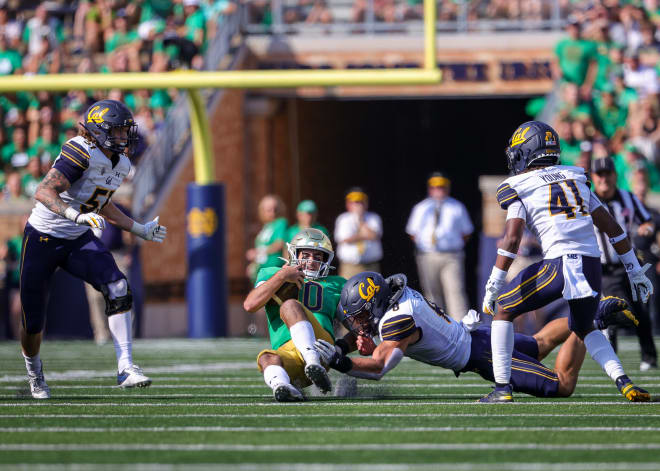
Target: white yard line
338 402
321 429
462 466
380 447
310 414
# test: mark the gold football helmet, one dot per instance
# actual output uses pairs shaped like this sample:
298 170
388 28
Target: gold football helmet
311 239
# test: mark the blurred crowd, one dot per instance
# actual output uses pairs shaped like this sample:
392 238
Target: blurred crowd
395 11
608 69
88 36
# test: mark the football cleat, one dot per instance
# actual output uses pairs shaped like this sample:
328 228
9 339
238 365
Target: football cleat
287 393
500 394
614 311
630 391
38 386
132 377
317 375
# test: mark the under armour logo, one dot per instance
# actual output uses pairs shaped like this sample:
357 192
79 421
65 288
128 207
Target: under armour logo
43 239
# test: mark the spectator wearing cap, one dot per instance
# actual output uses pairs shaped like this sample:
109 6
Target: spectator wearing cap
440 225
358 235
627 210
306 214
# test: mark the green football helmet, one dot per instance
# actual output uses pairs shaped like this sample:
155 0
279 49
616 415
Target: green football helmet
311 239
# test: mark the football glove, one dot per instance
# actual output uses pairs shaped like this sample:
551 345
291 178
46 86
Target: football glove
91 219
493 287
641 286
330 354
150 231
471 321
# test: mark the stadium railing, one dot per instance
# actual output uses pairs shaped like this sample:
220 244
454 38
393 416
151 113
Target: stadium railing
550 19
158 166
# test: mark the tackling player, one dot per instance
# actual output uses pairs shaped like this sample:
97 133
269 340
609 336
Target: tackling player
409 325
294 324
555 203
72 198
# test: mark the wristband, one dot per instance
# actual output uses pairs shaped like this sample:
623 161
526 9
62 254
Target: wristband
497 274
504 253
619 238
138 229
71 214
630 261
343 346
344 365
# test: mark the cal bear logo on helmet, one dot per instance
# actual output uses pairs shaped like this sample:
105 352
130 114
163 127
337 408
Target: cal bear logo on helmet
533 144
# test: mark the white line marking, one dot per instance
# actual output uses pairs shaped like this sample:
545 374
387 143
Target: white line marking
380 447
463 466
55 415
321 429
340 403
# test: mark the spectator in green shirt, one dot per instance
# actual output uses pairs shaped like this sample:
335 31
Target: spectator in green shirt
122 36
608 116
306 214
631 161
576 59
45 148
32 177
570 147
10 60
269 243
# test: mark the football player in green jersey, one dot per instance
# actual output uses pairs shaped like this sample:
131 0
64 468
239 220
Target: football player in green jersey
301 301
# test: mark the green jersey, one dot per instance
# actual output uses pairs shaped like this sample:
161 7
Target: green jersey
320 296
574 58
270 233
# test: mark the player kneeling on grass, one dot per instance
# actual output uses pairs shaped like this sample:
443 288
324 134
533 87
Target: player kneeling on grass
72 198
409 325
301 302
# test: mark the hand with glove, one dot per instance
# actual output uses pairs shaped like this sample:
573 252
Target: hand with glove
641 286
333 356
493 286
85 219
150 231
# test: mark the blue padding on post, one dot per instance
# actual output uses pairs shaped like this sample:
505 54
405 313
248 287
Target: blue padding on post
206 290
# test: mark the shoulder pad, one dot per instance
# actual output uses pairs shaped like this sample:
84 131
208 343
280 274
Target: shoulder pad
397 327
76 153
506 195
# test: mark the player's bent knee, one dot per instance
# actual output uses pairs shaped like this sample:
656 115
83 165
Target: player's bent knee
267 359
118 297
291 310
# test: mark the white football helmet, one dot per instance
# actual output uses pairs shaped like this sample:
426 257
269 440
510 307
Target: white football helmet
311 239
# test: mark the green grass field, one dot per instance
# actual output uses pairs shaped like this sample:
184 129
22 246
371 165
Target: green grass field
208 407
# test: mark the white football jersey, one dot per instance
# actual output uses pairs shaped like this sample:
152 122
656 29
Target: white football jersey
93 179
556 200
443 341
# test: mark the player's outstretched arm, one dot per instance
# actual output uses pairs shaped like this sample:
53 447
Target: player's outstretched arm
149 231
641 286
259 296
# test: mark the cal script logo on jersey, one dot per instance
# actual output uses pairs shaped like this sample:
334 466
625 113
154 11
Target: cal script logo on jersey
519 136
96 116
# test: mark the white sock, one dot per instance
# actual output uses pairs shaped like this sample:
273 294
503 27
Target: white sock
32 364
120 328
601 350
302 334
274 375
501 344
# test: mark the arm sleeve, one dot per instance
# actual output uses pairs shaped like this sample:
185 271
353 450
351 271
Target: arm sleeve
393 360
412 227
594 202
280 231
72 161
516 210
506 195
398 327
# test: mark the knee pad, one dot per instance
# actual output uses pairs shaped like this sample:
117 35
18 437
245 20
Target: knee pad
118 297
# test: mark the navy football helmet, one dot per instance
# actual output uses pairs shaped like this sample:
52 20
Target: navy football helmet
534 144
364 300
103 117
